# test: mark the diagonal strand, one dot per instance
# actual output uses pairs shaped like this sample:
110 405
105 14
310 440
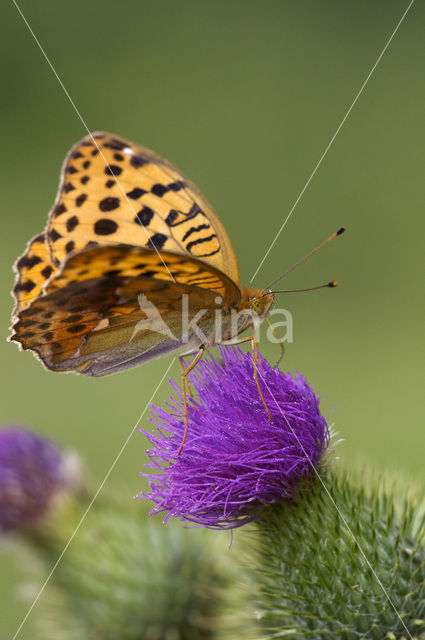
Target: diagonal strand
341 515
74 106
83 517
332 140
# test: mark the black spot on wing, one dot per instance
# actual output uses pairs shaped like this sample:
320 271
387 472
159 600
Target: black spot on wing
47 271
28 323
176 186
149 273
171 217
118 145
137 160
27 334
26 286
58 209
144 216
112 272
109 204
28 262
77 328
161 189
136 193
32 311
71 223
113 170
105 227
80 199
76 317
157 241
54 235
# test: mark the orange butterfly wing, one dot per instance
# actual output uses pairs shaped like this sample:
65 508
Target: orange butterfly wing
117 197
33 270
86 317
113 191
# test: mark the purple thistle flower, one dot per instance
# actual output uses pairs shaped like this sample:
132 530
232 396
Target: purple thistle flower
33 472
235 461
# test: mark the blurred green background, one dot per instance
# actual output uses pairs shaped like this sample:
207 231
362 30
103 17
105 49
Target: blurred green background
243 97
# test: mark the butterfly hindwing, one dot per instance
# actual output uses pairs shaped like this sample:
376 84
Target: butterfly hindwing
112 307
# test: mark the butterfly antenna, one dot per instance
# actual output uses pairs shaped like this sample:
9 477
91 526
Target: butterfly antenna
332 237
332 284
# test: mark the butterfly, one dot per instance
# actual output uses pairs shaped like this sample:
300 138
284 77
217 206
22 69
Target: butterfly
129 238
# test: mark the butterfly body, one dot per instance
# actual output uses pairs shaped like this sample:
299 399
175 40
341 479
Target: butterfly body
132 254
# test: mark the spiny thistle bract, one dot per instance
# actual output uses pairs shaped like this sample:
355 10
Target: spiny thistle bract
236 460
125 577
313 580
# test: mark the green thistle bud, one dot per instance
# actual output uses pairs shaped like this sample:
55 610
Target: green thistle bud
312 574
125 577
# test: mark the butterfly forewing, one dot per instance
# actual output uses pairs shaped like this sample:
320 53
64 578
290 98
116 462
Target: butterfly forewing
33 270
113 191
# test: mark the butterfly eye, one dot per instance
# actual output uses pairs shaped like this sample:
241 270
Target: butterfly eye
257 305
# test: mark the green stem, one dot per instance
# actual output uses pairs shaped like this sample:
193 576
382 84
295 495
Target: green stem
339 561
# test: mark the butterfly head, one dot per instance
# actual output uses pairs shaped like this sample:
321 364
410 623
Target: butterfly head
260 302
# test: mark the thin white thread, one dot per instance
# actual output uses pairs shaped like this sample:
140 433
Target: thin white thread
168 368
336 507
331 141
89 132
83 517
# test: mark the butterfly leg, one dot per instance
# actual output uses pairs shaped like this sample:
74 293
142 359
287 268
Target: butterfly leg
254 344
183 369
185 386
255 360
282 346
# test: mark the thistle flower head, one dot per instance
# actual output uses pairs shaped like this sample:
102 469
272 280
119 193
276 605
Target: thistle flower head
33 472
235 460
